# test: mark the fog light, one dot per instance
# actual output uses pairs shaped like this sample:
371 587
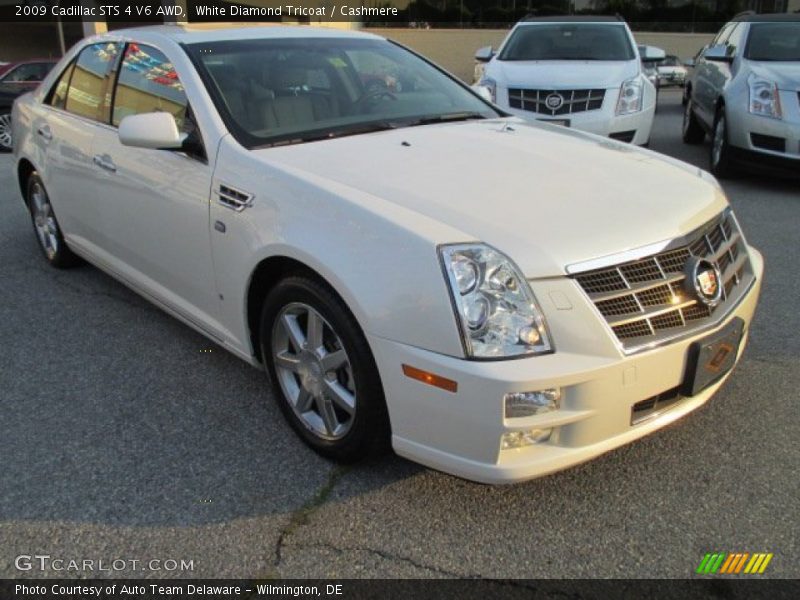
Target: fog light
526 404
520 439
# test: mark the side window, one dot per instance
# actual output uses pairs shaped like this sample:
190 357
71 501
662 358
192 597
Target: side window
88 88
722 36
27 73
148 82
735 40
58 96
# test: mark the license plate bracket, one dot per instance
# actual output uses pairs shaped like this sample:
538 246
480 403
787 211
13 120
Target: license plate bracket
710 358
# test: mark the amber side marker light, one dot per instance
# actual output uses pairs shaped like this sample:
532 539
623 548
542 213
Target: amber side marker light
430 378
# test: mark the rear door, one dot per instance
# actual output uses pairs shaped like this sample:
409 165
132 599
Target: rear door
65 128
155 203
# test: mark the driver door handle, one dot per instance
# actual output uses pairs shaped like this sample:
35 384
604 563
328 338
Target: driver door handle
105 162
44 132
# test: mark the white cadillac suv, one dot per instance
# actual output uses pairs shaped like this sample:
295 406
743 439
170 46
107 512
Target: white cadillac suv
409 265
582 72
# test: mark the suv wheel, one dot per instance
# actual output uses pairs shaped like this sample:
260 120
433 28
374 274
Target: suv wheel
5 130
45 224
720 154
693 132
323 373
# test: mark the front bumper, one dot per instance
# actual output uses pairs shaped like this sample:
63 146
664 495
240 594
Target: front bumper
765 141
602 121
460 433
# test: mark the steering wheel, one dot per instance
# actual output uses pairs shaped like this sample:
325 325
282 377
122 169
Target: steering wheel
373 93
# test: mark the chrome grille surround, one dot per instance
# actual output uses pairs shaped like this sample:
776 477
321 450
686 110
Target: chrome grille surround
573 100
643 299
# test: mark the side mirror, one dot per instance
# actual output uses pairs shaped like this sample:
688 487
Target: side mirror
484 54
155 130
653 54
718 53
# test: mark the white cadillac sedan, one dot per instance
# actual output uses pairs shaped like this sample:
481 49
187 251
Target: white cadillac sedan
412 267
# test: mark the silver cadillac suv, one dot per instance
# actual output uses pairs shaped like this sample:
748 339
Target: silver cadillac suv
745 92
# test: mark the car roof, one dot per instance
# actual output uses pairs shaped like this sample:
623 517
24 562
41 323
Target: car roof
768 18
574 19
217 32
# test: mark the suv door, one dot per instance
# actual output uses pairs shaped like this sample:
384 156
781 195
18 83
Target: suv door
65 127
155 202
711 76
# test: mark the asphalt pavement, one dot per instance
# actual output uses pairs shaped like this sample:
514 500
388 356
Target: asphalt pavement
125 435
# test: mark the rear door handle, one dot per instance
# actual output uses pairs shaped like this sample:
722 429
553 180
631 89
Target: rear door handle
44 132
104 162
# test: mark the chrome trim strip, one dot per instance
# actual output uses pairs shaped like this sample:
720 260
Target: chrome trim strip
643 252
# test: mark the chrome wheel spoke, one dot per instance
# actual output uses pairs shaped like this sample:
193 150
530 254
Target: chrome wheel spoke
287 361
333 360
314 328
341 396
294 331
303 401
328 415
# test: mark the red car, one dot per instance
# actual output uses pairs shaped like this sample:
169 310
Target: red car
15 79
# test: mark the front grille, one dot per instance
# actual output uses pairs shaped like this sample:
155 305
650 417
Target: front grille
644 301
570 101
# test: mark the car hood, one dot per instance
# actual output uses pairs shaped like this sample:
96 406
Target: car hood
563 74
785 74
547 197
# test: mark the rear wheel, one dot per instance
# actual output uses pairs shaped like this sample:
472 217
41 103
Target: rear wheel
720 153
5 130
323 373
45 224
693 132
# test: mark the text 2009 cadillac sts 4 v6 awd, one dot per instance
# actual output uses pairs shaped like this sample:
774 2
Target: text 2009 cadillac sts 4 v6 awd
495 298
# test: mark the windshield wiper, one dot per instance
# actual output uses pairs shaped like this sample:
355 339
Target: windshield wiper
446 118
328 134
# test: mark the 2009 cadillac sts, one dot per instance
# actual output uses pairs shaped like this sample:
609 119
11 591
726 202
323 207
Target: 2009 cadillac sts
495 298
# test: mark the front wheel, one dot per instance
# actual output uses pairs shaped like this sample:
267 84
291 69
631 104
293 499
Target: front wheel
45 224
5 131
720 153
692 131
322 371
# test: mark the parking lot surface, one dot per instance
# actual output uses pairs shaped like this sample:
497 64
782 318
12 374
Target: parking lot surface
126 435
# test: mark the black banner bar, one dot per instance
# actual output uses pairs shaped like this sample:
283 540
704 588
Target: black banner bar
406 589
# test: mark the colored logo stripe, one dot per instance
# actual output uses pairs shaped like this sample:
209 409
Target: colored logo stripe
734 563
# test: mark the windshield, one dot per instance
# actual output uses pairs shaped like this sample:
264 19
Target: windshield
569 41
277 91
774 41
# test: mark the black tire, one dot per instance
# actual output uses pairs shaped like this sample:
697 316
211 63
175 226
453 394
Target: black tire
685 94
719 155
693 132
369 431
52 244
6 143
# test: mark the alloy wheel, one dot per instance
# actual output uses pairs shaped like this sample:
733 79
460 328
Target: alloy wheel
44 221
5 131
718 141
314 371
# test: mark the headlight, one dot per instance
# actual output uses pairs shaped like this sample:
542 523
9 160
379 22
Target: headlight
496 310
764 97
630 96
490 85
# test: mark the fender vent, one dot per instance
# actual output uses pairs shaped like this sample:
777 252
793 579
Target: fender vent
234 199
